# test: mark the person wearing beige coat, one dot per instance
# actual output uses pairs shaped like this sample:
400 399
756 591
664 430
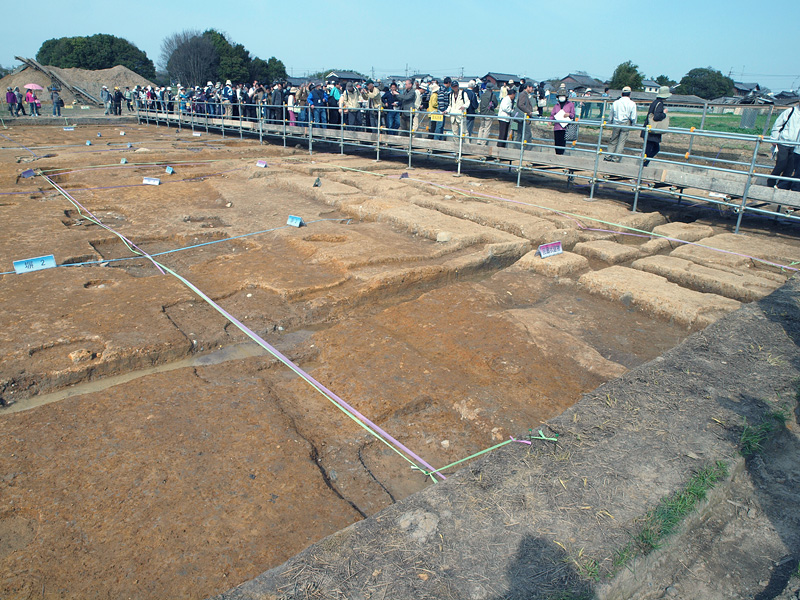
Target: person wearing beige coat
459 102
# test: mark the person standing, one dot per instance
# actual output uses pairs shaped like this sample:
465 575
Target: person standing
525 105
391 103
562 113
105 98
318 100
117 99
276 103
11 100
31 99
20 101
334 95
407 99
419 98
486 108
433 106
623 113
656 113
128 97
457 108
372 96
505 114
56 98
443 97
785 129
586 107
349 105
472 108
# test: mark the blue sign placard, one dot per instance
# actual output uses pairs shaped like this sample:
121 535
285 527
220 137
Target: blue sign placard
28 265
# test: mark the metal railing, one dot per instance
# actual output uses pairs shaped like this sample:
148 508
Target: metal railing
735 184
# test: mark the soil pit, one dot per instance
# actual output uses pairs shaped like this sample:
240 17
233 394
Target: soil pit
150 450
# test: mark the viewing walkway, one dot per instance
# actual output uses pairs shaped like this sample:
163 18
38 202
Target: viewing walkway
739 185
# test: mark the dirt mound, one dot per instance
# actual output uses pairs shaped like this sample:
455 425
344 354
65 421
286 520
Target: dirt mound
89 81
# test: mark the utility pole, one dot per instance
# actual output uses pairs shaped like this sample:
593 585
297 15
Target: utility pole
462 72
406 69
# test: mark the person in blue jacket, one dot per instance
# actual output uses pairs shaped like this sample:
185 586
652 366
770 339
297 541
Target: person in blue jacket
318 101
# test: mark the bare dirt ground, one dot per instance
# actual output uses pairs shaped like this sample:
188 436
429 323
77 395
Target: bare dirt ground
149 450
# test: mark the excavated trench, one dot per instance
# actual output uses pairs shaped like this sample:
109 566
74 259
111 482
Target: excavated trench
132 409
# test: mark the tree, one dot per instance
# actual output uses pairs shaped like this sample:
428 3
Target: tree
234 59
193 62
628 74
707 83
226 60
664 80
100 51
172 42
267 71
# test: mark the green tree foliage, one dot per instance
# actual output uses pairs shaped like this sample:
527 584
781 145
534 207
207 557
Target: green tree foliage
707 83
234 59
100 51
190 57
626 73
664 80
5 70
267 71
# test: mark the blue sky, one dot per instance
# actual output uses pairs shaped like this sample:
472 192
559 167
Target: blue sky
541 40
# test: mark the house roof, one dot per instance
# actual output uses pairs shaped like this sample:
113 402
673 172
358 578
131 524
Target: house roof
745 87
584 80
344 75
501 76
650 83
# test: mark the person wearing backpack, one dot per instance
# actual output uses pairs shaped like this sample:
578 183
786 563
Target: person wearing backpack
786 129
471 108
486 108
457 108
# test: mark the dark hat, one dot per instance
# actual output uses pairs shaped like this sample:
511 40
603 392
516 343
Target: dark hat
369 81
454 83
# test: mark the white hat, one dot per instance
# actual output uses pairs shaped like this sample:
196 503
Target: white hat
510 81
105 88
209 83
228 82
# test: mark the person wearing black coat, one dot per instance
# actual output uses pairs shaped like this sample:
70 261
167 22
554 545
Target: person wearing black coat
659 114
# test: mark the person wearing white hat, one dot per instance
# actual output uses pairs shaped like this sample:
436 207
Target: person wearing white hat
105 97
227 98
658 120
623 113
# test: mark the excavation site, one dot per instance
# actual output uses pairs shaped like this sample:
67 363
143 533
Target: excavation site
235 368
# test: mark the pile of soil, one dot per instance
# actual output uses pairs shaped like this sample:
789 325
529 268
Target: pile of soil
89 81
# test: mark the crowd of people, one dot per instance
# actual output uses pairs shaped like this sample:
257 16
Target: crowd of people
400 107
16 102
412 105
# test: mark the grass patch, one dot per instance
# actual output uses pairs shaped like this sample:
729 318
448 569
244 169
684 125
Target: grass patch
662 521
665 518
752 438
727 123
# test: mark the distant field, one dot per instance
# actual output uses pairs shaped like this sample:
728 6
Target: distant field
729 123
